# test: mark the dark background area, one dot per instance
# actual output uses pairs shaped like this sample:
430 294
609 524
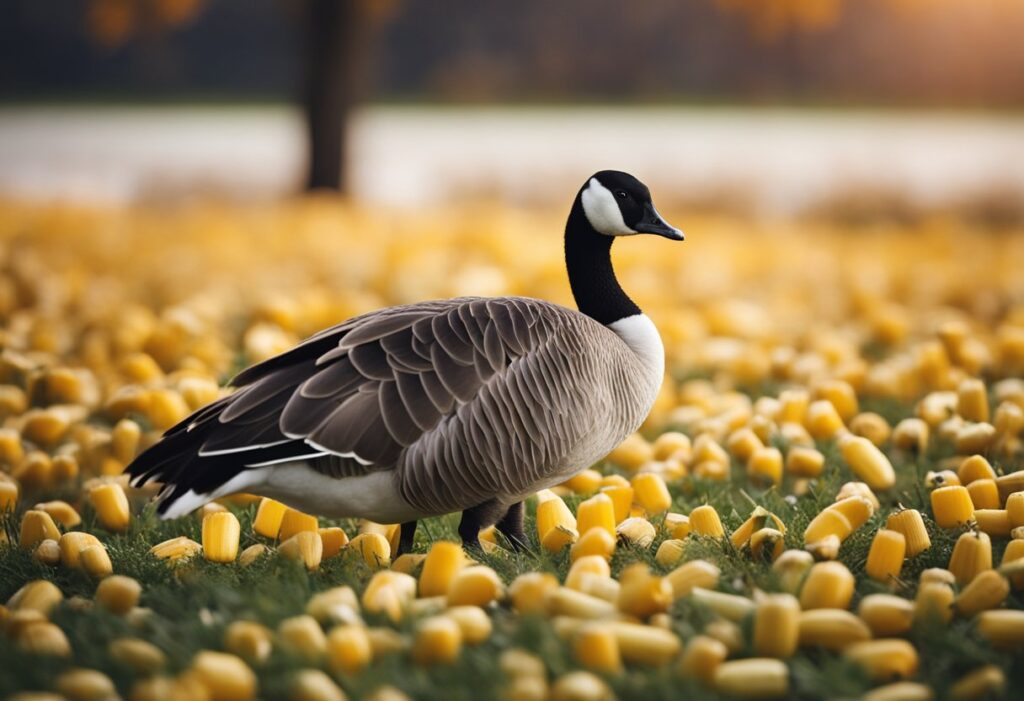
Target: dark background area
899 52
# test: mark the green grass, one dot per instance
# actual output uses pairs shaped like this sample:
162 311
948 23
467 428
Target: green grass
191 604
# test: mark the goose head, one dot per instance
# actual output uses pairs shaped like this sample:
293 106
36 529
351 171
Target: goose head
617 204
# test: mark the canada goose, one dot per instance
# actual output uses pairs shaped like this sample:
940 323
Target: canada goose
468 404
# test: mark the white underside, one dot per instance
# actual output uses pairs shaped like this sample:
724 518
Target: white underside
374 496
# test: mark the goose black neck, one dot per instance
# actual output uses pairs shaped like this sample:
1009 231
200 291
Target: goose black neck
588 260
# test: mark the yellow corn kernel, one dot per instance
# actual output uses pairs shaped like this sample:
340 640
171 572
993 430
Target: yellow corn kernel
35 471
348 649
596 512
85 685
754 678
474 624
124 440
221 532
584 482
636 531
974 438
986 591
731 607
386 641
701 657
651 493
96 562
644 644
937 574
886 658
765 466
314 685
61 511
911 434
249 640
707 449
1004 629
984 494
803 461
173 549
596 541
871 426
971 556
828 585
790 567
993 521
8 496
696 573
952 506
47 553
225 676
974 468
37 526
670 552
900 691
595 647
942 478
886 615
553 513
528 591
972 400
767 544
642 594
71 545
268 519
677 525
443 561
373 548
303 635
44 638
438 641
1012 557
909 523
776 626
934 601
65 468
38 595
885 558
867 462
579 686
335 604
986 682
704 521
305 547
118 594
474 586
292 522
743 443
333 539
1015 509
832 629
111 505
822 420
1008 484
829 522
758 519
633 452
793 405
569 602
622 500
141 656
165 408
672 444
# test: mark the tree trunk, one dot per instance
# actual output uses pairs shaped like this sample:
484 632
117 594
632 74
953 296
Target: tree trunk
337 36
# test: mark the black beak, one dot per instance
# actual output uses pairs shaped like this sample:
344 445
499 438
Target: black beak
652 223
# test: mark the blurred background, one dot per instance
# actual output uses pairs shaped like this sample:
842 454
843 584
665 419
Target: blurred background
855 109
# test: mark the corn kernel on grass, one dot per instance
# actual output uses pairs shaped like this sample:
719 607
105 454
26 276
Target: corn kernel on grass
132 318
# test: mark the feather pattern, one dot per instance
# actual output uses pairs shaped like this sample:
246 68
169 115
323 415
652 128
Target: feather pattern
460 400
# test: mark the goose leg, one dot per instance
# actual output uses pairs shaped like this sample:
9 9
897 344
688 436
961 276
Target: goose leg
476 518
511 526
407 533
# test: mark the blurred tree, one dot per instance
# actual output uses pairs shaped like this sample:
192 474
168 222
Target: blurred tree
336 41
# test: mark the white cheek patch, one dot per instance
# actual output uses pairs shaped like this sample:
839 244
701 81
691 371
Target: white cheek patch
603 211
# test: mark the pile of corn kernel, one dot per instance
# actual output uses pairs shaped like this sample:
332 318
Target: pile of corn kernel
118 323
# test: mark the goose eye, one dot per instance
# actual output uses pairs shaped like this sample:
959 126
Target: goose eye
621 194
